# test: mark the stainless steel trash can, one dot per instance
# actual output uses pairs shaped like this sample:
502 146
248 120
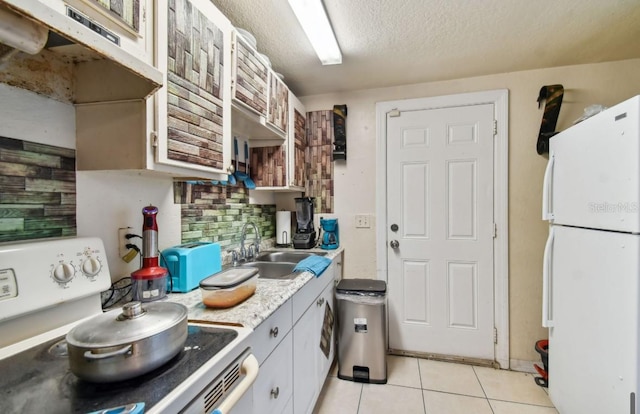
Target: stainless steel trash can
362 331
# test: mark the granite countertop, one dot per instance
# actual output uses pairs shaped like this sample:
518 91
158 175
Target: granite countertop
270 295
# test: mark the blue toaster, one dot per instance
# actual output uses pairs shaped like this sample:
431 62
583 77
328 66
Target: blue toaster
189 263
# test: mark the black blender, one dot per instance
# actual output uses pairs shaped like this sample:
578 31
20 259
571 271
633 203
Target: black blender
305 236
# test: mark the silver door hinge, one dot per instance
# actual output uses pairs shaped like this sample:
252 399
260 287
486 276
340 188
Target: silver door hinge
154 139
394 113
495 127
495 335
495 230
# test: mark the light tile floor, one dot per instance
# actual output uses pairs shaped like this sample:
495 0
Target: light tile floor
432 387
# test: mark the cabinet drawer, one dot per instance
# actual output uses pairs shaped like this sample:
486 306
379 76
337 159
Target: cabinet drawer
274 386
309 292
270 332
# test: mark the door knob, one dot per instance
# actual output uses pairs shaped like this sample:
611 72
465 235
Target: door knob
394 244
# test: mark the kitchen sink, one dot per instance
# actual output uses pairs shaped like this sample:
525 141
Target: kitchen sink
288 257
273 270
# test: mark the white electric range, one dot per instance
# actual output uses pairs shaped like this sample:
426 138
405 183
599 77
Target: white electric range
49 286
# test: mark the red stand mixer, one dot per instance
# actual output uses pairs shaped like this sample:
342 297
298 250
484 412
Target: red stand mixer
149 283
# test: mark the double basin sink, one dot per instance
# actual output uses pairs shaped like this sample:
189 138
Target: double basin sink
279 265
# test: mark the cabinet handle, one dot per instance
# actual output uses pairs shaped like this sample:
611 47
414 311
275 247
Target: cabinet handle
320 302
275 392
274 332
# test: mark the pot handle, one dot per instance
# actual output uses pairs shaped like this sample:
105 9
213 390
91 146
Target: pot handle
124 350
250 368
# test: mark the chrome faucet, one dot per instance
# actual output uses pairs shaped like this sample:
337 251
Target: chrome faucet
251 253
234 257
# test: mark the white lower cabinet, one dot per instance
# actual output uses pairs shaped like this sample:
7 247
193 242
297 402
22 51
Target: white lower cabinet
293 367
288 409
304 364
274 386
324 362
310 364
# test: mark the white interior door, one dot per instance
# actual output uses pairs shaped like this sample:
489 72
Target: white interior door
440 197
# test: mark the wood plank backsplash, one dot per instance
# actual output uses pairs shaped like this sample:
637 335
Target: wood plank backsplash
38 198
194 79
217 213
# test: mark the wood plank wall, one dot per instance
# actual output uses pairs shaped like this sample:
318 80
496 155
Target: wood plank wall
38 196
319 159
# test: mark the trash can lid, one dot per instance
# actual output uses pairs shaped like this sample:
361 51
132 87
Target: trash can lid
362 287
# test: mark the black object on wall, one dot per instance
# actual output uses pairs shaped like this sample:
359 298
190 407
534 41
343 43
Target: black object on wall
339 132
552 95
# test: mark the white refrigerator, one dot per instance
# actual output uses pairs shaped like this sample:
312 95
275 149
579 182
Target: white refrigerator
591 270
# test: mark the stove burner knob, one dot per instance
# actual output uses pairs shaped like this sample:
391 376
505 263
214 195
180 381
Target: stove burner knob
91 267
63 272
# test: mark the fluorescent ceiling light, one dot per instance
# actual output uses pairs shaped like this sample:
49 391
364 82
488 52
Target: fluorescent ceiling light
315 23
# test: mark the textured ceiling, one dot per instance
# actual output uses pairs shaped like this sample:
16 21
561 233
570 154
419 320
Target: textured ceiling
394 42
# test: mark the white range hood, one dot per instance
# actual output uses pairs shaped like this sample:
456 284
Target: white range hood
104 70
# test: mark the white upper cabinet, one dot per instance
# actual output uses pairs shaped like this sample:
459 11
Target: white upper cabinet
283 167
185 130
193 115
260 98
278 108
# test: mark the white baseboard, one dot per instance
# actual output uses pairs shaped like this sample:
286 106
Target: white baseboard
523 366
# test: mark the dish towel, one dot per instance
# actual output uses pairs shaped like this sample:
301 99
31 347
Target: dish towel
313 264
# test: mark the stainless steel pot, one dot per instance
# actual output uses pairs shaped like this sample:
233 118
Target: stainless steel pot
118 345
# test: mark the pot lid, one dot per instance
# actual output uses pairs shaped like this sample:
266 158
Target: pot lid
134 322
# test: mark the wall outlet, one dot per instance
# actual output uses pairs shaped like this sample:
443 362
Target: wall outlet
123 241
363 221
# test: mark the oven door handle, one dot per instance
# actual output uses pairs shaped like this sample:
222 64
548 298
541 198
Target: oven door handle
249 368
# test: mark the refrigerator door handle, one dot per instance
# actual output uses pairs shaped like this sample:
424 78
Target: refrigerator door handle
547 187
547 261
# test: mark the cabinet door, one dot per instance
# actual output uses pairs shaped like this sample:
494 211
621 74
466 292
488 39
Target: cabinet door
305 375
250 78
297 171
194 105
274 386
270 332
278 109
326 305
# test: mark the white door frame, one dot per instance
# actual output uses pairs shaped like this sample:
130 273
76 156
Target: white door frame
500 100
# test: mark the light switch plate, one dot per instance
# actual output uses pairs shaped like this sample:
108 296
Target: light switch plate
363 221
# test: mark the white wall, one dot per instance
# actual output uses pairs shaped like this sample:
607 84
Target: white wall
105 200
108 200
604 83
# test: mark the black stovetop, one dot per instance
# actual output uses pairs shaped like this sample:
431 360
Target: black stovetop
37 380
